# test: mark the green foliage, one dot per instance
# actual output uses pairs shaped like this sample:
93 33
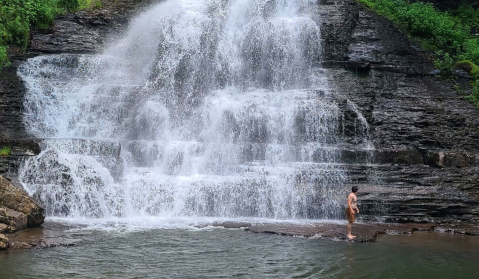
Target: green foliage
70 5
18 17
436 30
97 4
467 15
474 97
444 62
449 35
467 65
470 50
5 151
3 57
74 5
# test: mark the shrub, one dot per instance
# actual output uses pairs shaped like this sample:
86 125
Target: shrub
5 151
470 50
17 17
467 65
467 15
70 5
474 97
447 34
3 57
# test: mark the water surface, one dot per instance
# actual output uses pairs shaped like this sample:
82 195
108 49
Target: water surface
226 253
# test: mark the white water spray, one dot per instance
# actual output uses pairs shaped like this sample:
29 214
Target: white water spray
204 108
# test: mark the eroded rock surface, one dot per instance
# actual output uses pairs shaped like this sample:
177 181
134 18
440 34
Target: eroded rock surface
424 164
49 235
86 31
17 199
364 232
14 220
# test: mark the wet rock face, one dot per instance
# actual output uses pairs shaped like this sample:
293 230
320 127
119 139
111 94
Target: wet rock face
17 199
11 104
85 31
424 166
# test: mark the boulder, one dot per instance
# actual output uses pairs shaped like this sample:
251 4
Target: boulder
4 243
18 200
14 220
3 228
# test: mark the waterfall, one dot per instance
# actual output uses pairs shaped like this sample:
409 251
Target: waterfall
203 108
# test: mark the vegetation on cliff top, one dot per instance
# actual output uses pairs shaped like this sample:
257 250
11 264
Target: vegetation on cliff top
450 35
17 17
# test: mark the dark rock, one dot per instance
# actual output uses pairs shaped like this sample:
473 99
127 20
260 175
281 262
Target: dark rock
85 31
3 228
49 235
11 104
461 73
450 159
18 200
411 156
364 232
14 220
425 134
232 224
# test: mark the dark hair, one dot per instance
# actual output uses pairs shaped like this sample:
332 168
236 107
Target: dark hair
354 189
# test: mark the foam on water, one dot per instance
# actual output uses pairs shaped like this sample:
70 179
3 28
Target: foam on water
129 224
204 108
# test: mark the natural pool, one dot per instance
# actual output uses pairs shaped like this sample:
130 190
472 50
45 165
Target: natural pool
225 253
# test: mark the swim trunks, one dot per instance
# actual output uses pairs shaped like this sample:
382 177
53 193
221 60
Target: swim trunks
351 216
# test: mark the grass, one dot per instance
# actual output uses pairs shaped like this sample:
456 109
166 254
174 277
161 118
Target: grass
450 36
5 151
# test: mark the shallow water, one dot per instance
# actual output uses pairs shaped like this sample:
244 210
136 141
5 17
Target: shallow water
225 253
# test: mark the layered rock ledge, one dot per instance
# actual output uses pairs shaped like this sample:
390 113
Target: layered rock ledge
364 232
423 166
18 211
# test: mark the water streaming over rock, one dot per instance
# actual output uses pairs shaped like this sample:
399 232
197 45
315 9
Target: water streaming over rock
203 108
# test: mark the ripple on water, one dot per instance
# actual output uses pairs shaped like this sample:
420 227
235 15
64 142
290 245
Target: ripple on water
225 253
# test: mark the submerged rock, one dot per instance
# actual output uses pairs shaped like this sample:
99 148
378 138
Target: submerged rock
19 201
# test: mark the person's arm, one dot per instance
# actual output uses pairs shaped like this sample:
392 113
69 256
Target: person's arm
357 205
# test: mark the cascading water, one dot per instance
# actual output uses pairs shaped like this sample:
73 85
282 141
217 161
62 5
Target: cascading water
204 108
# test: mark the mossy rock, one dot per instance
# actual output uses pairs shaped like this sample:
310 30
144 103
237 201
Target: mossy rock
467 65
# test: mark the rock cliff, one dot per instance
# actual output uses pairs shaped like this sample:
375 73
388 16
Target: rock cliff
423 166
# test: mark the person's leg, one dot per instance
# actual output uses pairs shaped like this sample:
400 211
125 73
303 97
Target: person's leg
350 224
350 235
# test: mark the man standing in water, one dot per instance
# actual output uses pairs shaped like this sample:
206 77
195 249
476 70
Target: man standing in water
352 206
